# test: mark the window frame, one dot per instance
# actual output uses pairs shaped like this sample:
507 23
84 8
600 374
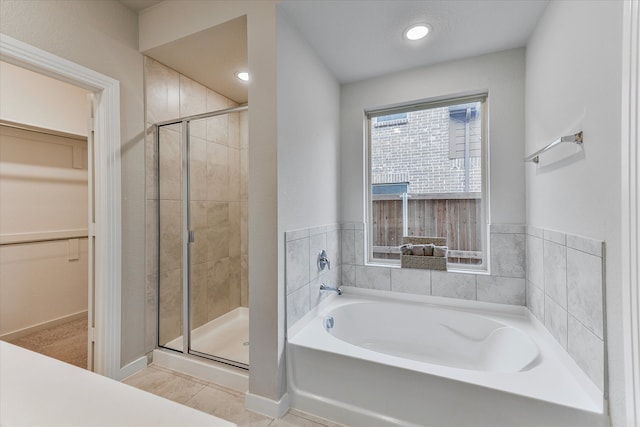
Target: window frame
369 114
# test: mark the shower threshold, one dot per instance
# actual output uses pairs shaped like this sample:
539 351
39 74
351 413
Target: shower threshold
226 337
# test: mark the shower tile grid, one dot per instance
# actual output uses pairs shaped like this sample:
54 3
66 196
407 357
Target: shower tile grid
565 282
214 399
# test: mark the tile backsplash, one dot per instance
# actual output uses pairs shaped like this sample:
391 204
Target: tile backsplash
346 249
506 284
303 277
565 283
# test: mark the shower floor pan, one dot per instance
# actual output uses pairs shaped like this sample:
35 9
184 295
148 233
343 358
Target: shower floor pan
226 337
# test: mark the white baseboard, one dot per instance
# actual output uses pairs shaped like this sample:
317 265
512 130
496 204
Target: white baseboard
133 367
217 373
268 407
42 326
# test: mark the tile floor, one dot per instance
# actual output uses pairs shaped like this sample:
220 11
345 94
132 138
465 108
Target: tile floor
214 399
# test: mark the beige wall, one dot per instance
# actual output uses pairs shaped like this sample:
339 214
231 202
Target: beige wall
102 35
218 202
43 188
33 99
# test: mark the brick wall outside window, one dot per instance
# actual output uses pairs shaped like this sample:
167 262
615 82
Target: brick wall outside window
418 152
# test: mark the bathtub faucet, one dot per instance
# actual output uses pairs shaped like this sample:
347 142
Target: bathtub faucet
324 287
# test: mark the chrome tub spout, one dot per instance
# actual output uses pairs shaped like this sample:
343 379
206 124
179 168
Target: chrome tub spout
324 287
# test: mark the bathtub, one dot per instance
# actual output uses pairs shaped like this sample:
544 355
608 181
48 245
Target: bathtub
370 358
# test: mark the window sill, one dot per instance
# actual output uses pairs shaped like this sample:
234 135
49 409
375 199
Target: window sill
482 272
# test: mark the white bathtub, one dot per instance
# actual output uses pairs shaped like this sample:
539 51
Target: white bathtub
439 362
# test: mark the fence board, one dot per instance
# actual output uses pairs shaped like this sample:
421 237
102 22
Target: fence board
459 220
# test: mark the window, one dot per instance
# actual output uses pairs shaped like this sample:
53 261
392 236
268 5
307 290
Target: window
427 178
391 120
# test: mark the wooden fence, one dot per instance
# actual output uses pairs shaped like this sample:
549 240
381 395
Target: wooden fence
457 219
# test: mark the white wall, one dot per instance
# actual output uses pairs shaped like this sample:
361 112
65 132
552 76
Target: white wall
102 35
169 21
574 83
308 134
33 99
500 74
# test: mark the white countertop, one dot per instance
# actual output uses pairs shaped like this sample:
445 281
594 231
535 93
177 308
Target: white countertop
36 390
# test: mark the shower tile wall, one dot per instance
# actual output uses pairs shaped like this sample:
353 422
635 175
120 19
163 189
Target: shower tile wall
565 282
218 162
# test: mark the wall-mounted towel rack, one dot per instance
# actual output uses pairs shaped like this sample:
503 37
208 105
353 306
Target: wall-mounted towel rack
575 138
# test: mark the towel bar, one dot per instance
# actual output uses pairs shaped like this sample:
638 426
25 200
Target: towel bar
575 138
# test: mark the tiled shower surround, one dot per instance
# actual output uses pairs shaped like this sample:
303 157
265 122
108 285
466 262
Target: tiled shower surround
558 277
565 282
218 203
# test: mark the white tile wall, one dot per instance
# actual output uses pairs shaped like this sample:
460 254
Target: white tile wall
555 272
587 350
453 285
569 298
345 244
302 275
507 254
555 319
584 289
410 280
373 277
503 290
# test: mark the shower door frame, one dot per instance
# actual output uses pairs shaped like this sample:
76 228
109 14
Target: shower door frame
187 232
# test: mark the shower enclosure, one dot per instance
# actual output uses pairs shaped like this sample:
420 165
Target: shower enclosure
202 236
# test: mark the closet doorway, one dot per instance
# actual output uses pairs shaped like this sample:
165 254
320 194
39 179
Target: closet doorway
44 215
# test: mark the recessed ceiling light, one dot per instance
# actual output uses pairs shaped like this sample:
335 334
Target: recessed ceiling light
243 75
416 32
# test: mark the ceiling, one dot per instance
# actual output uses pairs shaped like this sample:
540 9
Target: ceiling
357 39
138 5
211 57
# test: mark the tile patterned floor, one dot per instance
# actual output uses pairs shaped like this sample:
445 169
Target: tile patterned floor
214 399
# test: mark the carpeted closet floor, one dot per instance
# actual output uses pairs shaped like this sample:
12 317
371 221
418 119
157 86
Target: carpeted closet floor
66 342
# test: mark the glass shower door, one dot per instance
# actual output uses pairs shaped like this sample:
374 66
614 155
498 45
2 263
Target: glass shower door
218 328
170 237
202 204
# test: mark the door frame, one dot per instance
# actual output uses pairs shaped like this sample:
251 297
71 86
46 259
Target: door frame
106 193
630 185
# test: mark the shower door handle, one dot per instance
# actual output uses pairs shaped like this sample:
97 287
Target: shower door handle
192 236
